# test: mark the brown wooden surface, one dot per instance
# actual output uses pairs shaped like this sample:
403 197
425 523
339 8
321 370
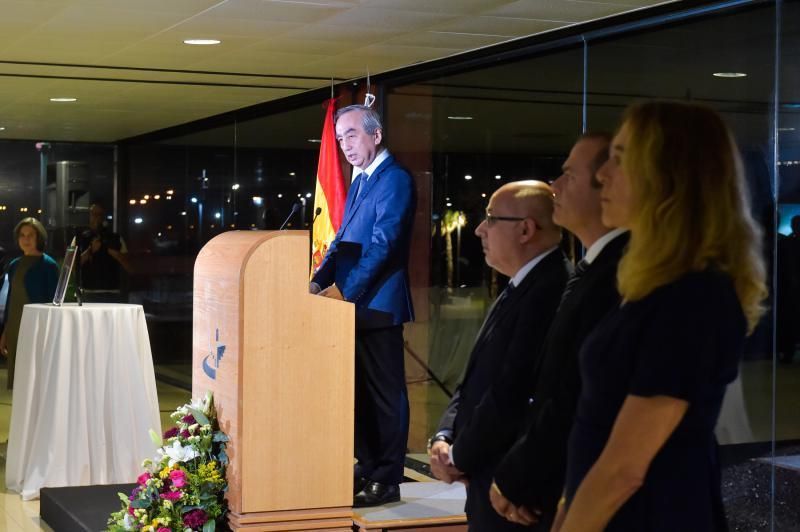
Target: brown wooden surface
410 523
284 388
431 528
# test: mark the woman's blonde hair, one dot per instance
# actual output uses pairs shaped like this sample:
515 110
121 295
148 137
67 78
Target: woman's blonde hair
690 209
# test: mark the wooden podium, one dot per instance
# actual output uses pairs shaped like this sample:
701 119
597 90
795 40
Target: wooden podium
280 363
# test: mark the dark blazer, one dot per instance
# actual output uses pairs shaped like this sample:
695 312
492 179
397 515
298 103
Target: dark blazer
368 259
532 473
485 412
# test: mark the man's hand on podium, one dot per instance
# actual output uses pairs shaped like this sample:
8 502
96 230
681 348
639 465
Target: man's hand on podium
332 292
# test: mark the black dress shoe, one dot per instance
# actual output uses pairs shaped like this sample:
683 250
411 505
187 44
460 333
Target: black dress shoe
376 494
359 483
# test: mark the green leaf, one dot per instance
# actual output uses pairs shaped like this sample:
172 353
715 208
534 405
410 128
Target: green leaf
209 526
220 436
198 416
156 437
140 503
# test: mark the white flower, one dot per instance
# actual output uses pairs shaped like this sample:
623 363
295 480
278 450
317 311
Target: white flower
178 453
127 522
198 404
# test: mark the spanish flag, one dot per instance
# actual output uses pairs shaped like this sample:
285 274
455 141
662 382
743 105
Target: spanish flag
330 195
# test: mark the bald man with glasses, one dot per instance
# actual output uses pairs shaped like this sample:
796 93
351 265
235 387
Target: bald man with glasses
519 240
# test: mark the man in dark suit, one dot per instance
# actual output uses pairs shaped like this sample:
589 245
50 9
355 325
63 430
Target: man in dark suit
484 416
529 479
367 264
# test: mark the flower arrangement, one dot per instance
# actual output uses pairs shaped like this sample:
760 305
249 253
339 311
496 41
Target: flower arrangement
182 488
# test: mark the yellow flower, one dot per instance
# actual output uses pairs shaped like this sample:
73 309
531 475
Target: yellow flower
164 473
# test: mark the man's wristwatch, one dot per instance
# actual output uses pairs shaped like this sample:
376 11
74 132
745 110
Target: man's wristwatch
438 437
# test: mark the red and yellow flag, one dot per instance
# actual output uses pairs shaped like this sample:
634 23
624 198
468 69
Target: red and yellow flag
330 195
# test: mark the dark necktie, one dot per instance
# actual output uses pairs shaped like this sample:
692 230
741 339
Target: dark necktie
361 182
580 269
495 309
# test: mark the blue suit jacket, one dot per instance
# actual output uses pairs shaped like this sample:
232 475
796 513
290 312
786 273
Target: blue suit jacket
368 259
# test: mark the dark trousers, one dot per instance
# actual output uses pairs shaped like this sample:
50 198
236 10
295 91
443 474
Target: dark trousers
381 409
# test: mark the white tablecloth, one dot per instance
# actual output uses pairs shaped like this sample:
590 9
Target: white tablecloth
84 398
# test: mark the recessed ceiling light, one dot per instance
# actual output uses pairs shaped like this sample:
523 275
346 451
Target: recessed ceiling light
316 141
202 42
467 177
779 129
61 100
2 128
730 75
459 118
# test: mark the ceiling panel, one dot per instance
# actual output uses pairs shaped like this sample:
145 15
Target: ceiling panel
558 10
499 26
132 74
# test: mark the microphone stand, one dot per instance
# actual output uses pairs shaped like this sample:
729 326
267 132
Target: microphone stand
295 208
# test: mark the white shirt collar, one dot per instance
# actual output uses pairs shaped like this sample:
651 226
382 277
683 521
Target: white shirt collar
522 272
595 249
369 170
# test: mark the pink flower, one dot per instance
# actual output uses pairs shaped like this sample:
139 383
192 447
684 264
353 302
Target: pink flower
195 518
163 529
189 420
171 433
143 478
171 495
178 478
185 434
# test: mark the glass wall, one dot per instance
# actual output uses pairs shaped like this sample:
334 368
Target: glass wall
75 175
465 132
183 191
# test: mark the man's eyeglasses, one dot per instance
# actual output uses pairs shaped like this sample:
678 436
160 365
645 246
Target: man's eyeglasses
491 219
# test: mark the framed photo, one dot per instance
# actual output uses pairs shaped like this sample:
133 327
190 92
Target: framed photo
66 271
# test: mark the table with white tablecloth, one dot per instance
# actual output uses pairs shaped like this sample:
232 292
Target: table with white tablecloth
84 397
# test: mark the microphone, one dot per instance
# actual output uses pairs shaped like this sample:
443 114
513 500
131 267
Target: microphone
317 211
295 208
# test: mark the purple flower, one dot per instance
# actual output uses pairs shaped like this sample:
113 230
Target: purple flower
135 492
185 434
143 478
163 529
195 518
171 433
178 478
171 495
189 419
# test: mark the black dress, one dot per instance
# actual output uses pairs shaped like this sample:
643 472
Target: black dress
684 340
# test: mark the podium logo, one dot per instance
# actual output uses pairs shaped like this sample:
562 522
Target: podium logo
214 357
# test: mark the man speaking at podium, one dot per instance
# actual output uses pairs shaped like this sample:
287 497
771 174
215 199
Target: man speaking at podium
367 265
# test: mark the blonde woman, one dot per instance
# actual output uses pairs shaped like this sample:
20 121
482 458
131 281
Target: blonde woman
32 278
642 453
